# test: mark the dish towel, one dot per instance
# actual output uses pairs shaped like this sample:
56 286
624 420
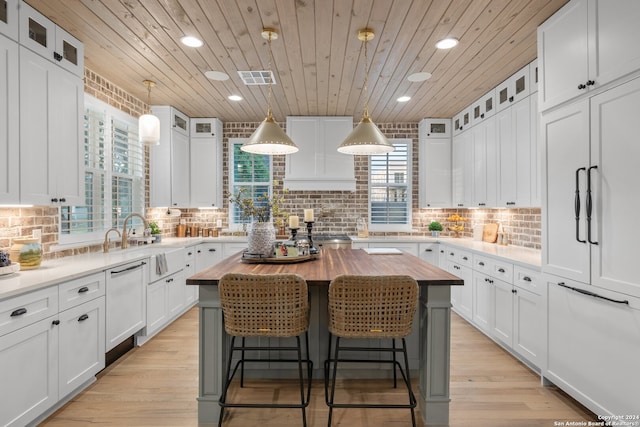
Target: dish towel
161 264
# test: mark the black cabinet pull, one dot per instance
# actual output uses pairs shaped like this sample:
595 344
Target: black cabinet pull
83 290
501 270
133 267
482 204
212 249
19 312
57 56
199 251
581 86
511 203
589 204
83 317
576 203
481 264
511 99
55 322
442 251
590 82
460 204
188 265
54 200
514 291
465 258
526 278
592 294
189 253
482 116
428 250
62 200
451 253
169 280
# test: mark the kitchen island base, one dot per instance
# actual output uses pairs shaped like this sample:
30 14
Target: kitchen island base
428 346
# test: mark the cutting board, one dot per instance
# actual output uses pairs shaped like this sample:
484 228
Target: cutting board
490 233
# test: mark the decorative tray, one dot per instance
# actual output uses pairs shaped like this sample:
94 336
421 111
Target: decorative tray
259 259
10 269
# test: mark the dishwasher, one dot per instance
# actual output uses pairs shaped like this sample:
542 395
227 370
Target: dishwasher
126 301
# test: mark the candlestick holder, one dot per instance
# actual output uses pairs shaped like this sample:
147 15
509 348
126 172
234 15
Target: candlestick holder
312 248
294 231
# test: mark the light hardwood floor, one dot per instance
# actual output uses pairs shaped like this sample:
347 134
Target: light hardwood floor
157 385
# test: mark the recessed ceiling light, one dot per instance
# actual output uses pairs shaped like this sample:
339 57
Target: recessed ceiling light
419 77
403 99
216 75
447 43
235 98
191 41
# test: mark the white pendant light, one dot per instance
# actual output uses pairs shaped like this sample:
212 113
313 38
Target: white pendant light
269 138
148 124
366 138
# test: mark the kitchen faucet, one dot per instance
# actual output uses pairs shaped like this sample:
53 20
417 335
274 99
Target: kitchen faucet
105 245
125 243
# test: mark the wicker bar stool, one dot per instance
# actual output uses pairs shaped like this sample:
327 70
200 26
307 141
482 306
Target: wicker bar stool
370 307
257 305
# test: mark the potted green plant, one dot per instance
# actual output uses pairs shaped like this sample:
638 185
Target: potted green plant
435 228
156 233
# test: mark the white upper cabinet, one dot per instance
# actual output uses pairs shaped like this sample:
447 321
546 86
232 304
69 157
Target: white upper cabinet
51 114
534 77
45 38
9 19
169 161
514 89
434 163
9 122
514 155
587 44
206 162
462 169
484 164
318 165
484 107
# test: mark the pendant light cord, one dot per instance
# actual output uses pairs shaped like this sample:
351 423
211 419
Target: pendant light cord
269 114
149 97
366 80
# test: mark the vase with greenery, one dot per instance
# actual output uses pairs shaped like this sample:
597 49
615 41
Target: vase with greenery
260 211
435 228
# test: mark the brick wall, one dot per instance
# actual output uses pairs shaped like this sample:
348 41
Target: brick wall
335 211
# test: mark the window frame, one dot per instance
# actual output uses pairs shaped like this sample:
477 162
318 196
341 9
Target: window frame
233 142
110 113
408 226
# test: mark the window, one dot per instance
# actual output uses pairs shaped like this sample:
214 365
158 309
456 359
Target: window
390 188
251 172
114 174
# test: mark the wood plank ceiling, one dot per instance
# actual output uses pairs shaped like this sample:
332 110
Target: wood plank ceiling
318 59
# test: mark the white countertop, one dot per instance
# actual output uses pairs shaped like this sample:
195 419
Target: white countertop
527 257
52 272
59 270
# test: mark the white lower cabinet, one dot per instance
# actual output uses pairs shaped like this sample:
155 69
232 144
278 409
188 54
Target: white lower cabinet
29 366
82 344
459 264
593 345
508 306
46 354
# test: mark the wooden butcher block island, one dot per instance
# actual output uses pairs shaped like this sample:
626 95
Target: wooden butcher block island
428 343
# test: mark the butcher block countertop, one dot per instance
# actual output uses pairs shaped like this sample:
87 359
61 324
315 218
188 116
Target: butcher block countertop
332 263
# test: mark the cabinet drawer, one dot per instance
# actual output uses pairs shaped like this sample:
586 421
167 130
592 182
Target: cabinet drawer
502 270
80 290
528 279
24 310
482 263
461 257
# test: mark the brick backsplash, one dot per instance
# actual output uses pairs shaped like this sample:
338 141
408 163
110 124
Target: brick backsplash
335 211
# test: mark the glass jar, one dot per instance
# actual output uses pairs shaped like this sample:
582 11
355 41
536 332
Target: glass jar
27 252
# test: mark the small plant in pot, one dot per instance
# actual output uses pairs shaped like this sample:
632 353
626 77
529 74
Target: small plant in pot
156 233
435 228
